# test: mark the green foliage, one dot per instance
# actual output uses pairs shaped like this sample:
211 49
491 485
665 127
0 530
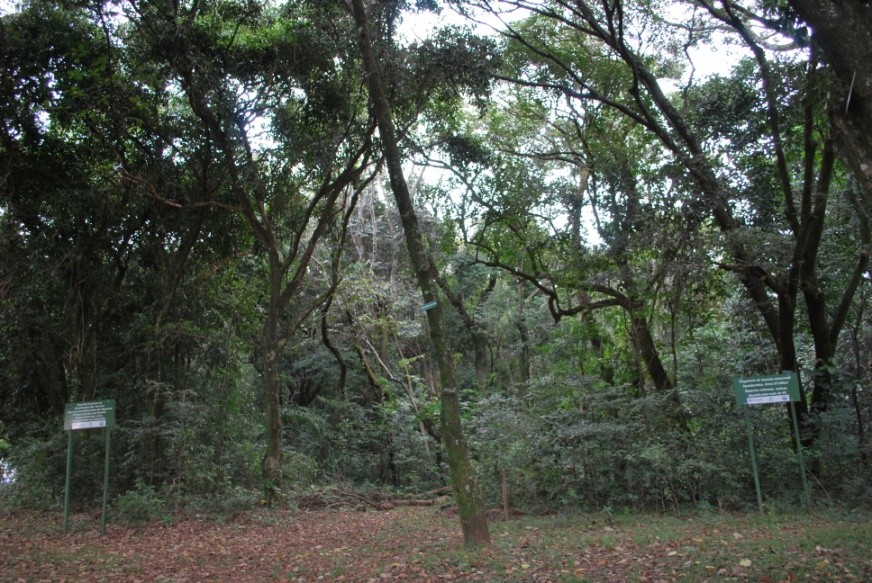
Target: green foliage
39 473
616 451
455 60
128 271
301 469
139 506
838 456
359 444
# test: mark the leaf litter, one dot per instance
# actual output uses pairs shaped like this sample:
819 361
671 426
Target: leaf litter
424 544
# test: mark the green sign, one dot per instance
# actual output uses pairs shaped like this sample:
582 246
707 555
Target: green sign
778 388
90 415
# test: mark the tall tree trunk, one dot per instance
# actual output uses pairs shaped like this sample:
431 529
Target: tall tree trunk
470 504
273 458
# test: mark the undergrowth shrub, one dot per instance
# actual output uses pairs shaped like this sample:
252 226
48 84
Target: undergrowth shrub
36 485
360 443
140 505
502 435
611 449
300 469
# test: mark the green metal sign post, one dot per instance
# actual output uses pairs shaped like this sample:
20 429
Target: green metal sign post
90 415
781 388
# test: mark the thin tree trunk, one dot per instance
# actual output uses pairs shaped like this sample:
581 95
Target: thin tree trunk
337 355
504 475
523 361
480 346
470 505
858 373
273 458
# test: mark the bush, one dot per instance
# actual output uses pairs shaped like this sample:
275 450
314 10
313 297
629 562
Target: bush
39 467
616 450
299 469
140 505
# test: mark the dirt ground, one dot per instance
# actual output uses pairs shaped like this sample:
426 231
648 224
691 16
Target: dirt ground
424 544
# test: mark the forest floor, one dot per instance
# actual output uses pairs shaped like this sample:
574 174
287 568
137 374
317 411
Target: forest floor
424 544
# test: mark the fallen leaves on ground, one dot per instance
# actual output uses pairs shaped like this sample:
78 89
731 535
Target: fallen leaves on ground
424 544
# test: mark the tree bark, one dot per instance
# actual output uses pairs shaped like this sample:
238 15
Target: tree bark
470 504
273 457
843 29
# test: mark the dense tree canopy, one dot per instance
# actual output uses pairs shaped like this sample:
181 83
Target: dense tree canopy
525 259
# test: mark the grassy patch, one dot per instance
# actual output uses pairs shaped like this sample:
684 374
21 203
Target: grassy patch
826 546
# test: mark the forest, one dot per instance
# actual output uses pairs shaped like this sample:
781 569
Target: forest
519 248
